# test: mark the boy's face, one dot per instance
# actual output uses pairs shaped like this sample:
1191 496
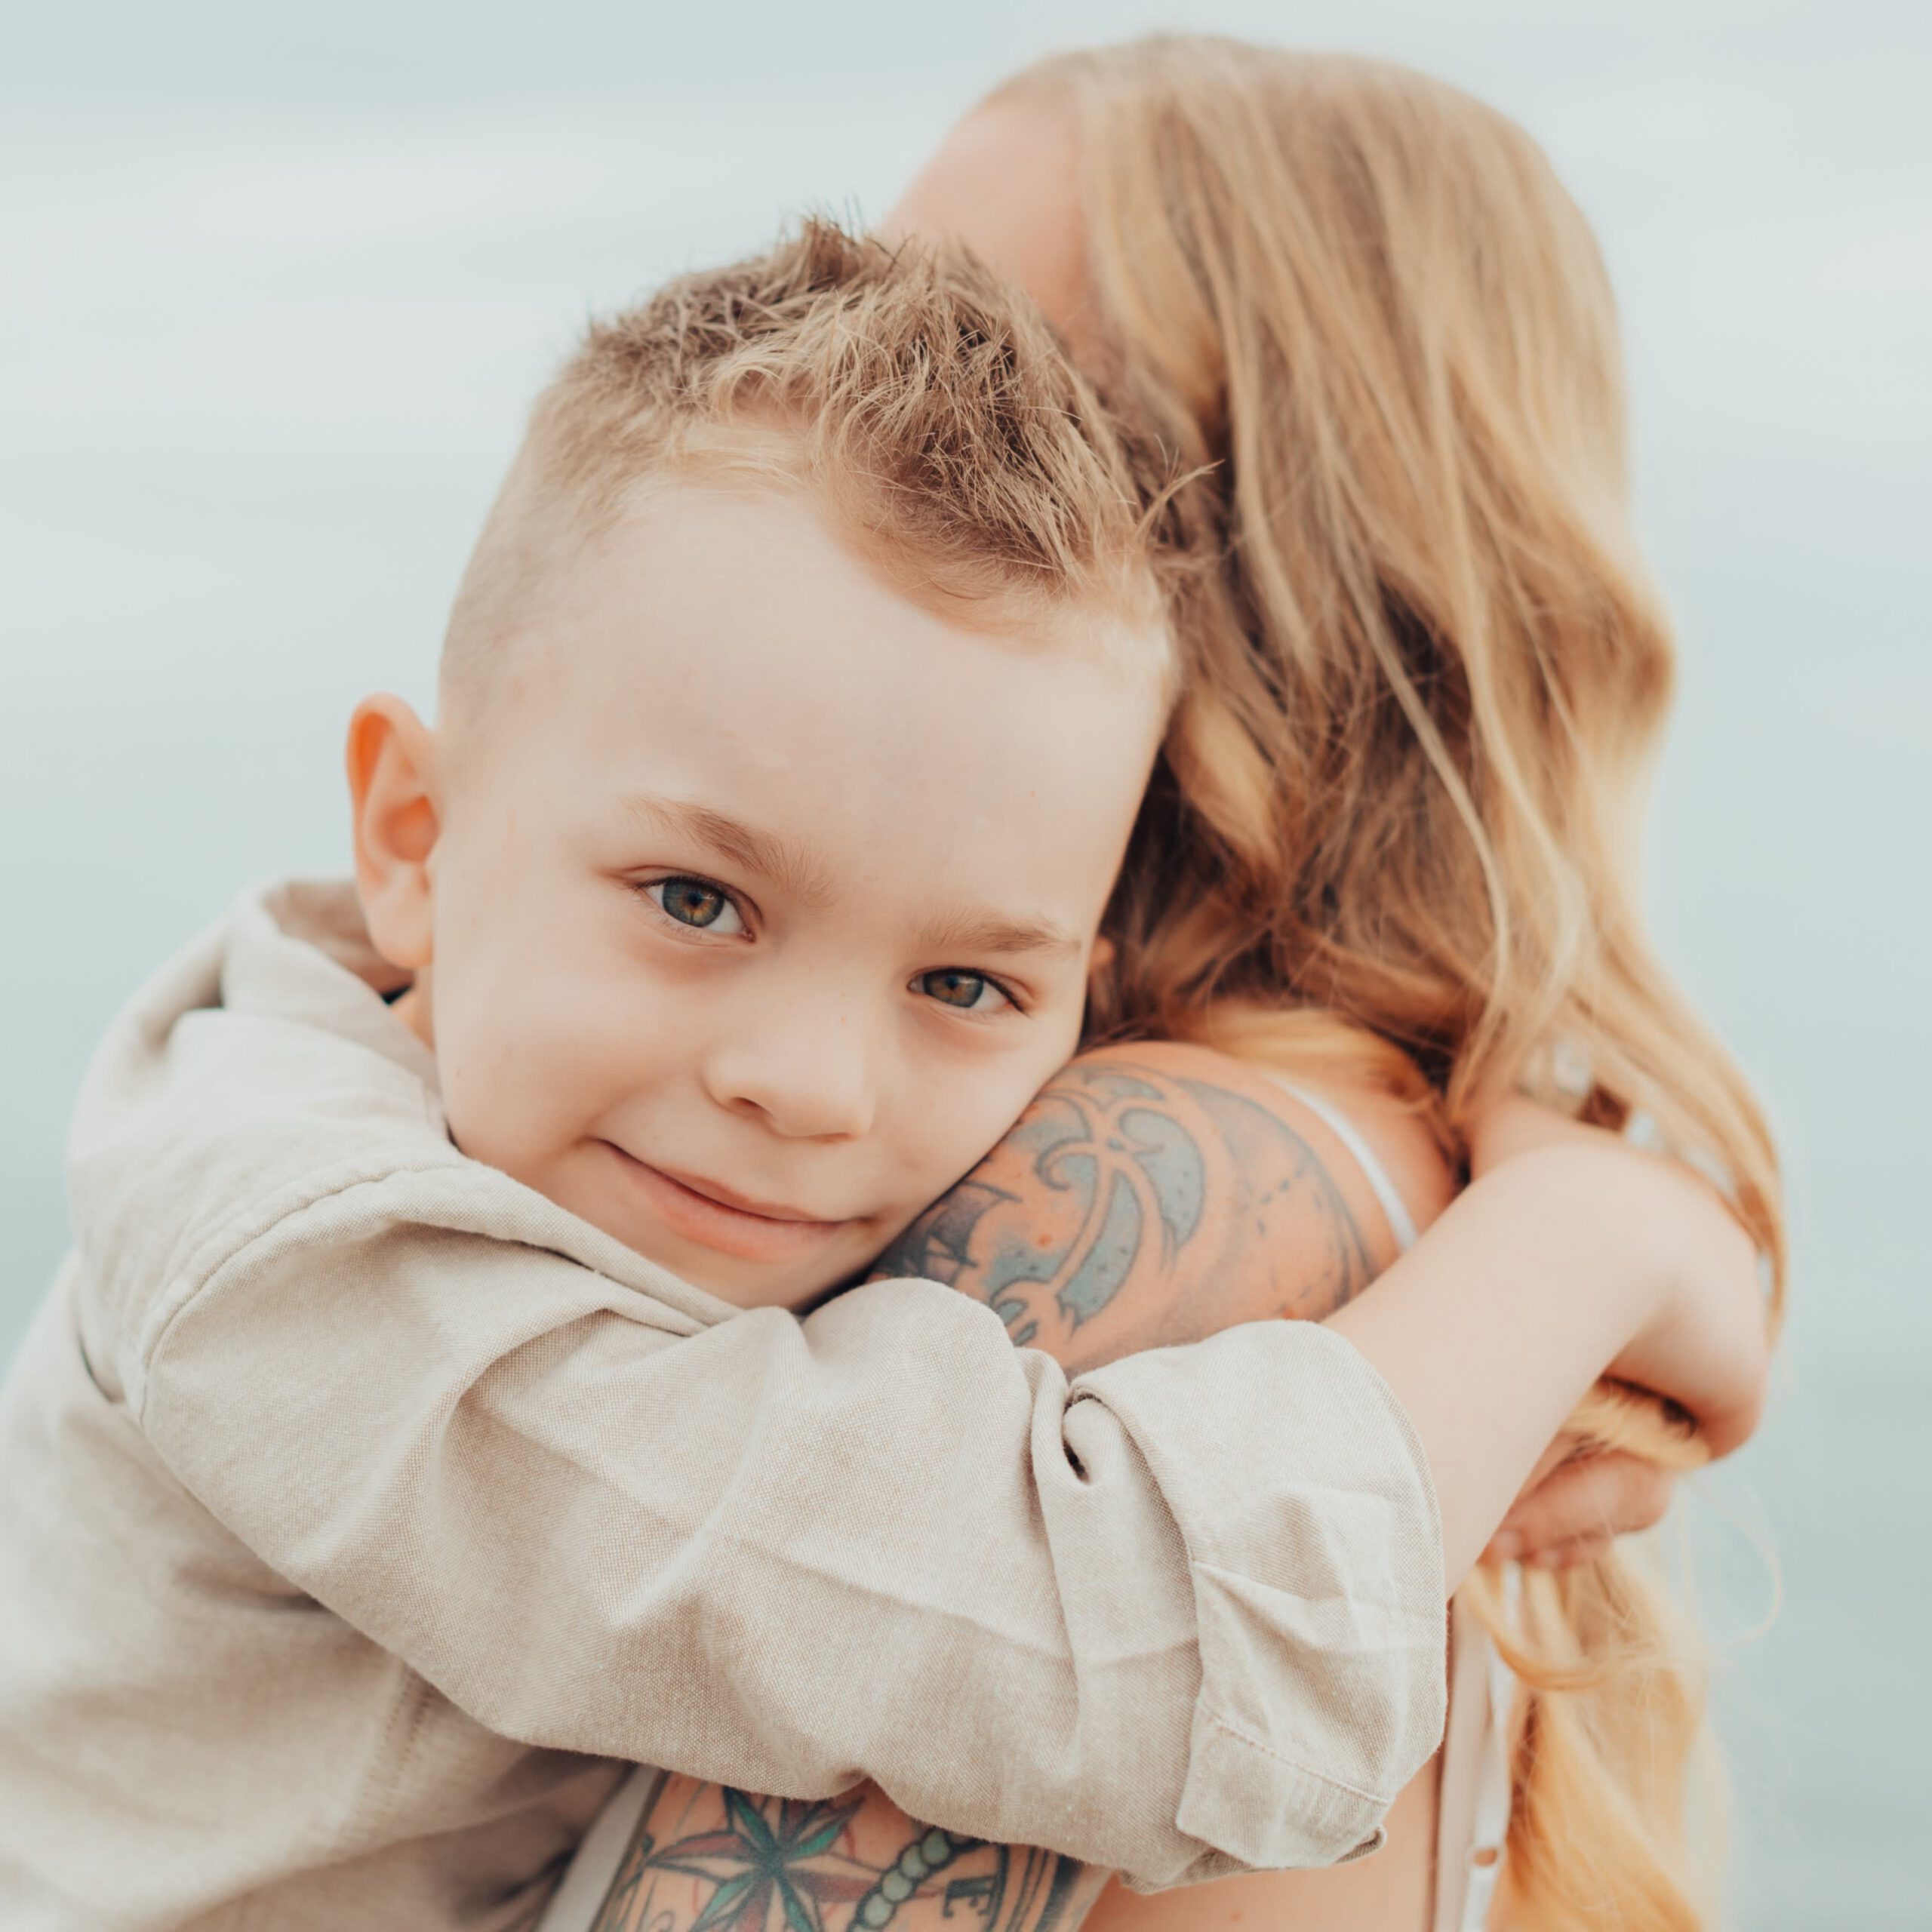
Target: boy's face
760 900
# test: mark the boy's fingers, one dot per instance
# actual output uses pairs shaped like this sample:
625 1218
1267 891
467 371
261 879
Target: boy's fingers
1567 1555
1594 1497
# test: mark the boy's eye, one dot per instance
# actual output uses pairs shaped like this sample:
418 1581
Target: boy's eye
695 902
969 992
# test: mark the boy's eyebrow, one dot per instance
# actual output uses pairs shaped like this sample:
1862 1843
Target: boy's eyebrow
997 932
793 865
786 862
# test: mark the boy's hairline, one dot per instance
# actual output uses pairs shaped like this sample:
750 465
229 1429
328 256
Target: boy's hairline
569 517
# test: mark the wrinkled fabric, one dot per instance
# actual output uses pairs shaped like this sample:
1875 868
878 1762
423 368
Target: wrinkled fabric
360 1508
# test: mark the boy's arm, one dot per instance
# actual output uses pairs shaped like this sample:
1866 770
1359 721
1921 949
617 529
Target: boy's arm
1150 1194
1183 1617
1190 1152
1159 1191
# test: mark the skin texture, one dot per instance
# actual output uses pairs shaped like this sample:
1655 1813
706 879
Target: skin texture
1150 1194
755 872
714 1861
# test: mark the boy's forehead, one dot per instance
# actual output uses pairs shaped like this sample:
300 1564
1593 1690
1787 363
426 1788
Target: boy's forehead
750 579
710 562
721 650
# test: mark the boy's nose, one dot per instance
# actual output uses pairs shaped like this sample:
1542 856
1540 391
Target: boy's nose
808 1075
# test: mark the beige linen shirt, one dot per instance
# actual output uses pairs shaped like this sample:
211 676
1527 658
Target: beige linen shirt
358 1506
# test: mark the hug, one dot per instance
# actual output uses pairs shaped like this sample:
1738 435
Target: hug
987 1134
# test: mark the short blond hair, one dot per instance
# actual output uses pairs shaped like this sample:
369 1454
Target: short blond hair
924 405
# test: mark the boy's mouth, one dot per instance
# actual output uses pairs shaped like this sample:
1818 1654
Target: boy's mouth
719 1217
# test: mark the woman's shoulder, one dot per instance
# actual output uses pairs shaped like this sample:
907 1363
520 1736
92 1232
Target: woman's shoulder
1398 1136
1335 1137
1358 1136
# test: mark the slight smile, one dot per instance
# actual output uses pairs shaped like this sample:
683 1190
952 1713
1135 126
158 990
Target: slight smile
719 1218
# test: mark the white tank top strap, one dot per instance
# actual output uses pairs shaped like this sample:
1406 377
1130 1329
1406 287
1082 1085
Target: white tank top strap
1488 1841
1401 1223
1458 1773
1488 1832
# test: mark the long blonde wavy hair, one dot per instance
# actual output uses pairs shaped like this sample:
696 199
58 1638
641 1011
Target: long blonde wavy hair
1400 808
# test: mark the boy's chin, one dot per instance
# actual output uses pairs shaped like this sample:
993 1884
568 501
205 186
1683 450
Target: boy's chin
799 1287
800 1293
814 1292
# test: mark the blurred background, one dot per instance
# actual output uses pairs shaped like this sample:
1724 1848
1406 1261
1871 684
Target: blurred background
278 283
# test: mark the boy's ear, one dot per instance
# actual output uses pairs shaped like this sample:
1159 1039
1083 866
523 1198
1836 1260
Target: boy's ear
395 805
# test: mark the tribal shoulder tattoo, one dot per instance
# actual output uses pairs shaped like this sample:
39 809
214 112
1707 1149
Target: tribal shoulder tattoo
704 1858
1130 1207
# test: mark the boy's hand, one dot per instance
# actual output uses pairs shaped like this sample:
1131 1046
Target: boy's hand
1574 1506
1716 1331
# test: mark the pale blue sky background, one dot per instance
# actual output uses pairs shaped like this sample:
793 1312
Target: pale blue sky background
274 286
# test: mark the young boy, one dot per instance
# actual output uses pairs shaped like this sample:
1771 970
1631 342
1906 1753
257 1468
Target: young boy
385 1448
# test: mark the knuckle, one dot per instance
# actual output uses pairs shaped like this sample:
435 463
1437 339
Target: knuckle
1648 1501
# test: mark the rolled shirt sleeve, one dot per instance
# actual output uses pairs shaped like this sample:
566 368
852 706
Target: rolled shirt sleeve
1182 1617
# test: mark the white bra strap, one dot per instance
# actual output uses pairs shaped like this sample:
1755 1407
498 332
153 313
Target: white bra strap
1402 1224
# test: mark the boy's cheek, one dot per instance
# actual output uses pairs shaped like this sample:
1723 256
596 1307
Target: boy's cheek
1006 1136
517 1081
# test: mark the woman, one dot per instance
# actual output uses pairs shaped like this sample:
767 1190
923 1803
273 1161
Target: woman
1432 672
1391 849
